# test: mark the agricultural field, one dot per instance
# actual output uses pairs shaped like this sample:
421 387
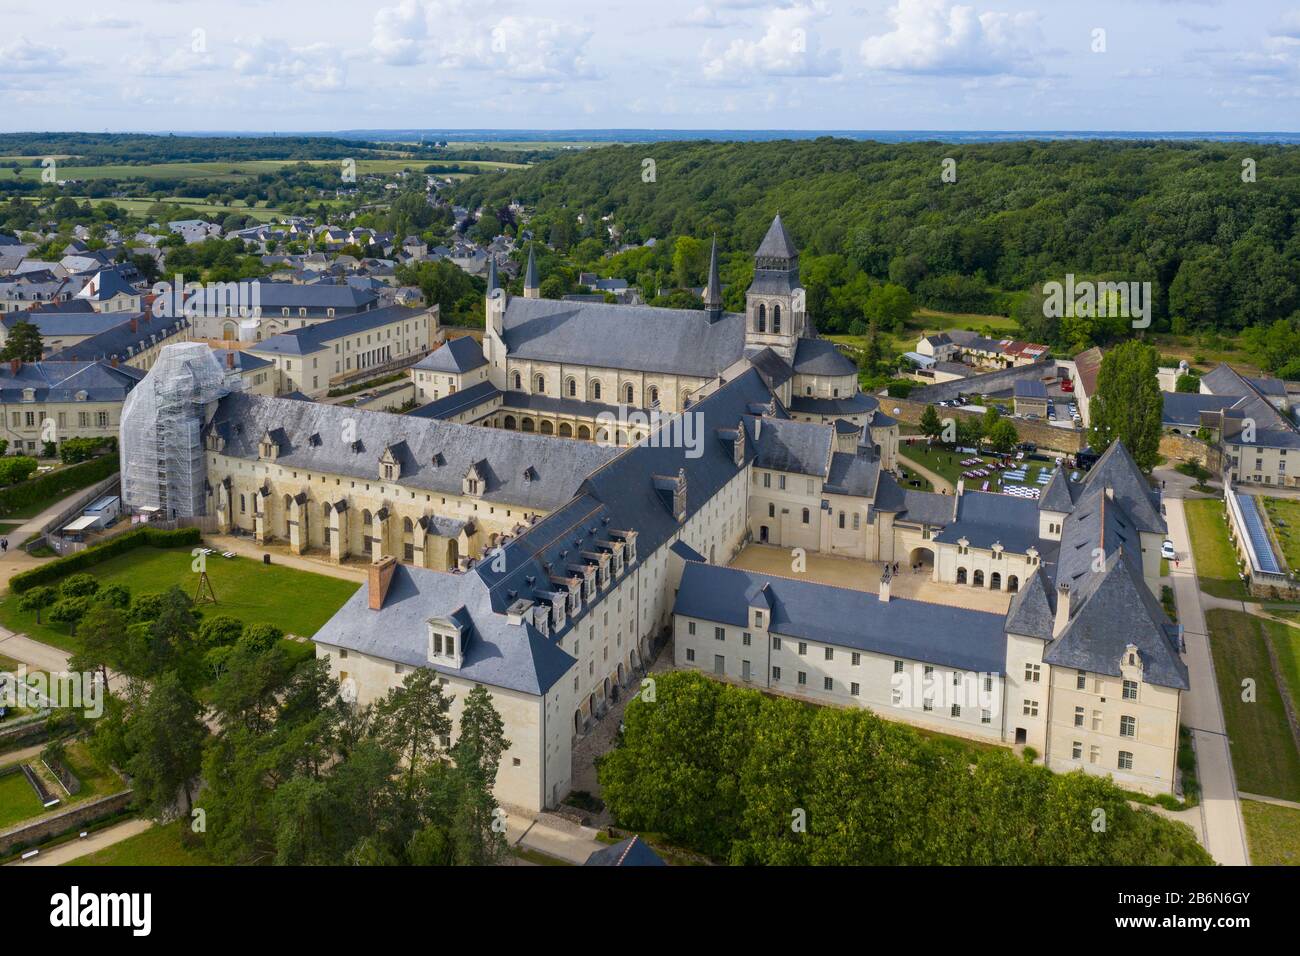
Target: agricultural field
246 590
236 172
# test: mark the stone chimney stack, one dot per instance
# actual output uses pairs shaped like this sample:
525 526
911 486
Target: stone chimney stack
381 576
885 578
1062 610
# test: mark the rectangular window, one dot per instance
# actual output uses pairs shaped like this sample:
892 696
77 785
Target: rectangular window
776 643
690 628
690 654
1032 673
1130 690
803 678
1125 760
828 683
956 710
1076 752
857 658
830 654
803 648
1031 708
1078 716
776 673
1128 726
927 705
898 667
745 639
1081 680
719 633
853 689
986 716
719 664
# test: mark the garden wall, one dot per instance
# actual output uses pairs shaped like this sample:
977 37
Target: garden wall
27 835
1043 435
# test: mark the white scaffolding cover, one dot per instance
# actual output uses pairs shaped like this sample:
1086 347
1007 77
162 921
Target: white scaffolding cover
161 444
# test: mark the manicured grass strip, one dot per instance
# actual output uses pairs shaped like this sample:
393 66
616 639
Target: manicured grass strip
1263 749
17 800
298 602
1273 833
1284 515
1286 648
1216 559
157 846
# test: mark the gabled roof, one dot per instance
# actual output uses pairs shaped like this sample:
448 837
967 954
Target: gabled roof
799 447
313 338
630 852
1057 495
458 355
937 634
1031 613
1117 469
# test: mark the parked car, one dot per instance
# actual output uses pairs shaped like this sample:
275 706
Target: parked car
1167 551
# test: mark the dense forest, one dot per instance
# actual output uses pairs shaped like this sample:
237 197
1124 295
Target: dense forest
1212 226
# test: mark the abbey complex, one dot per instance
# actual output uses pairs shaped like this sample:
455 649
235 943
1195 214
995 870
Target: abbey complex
577 489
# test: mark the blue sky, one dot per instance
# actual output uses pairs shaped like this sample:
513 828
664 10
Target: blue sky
683 64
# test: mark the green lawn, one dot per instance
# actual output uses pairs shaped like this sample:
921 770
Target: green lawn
1286 648
1284 516
1273 833
17 800
298 602
157 846
947 463
1216 559
1263 749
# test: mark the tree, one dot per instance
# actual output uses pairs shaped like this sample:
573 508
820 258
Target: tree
477 754
1128 405
1188 383
102 635
931 426
412 720
37 599
1003 436
165 736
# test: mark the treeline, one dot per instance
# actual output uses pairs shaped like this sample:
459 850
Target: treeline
1221 253
752 779
94 149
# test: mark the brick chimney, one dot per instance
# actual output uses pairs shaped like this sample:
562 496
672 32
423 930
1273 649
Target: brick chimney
381 576
1062 610
230 358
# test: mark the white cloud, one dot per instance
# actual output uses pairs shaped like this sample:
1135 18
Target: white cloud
316 67
936 36
788 47
455 34
28 56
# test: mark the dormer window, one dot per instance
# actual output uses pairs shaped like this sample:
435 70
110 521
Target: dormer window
445 645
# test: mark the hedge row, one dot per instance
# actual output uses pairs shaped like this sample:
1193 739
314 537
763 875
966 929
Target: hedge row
81 560
55 484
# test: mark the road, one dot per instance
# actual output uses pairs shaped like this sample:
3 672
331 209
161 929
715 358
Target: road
1225 831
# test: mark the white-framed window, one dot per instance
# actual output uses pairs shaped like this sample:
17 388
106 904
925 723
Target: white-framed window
1125 760
1130 690
1127 726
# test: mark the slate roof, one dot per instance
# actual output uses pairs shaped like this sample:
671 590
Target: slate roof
1183 409
844 617
984 519
922 507
59 322
477 394
857 404
274 296
777 243
1030 388
558 467
635 337
775 370
1031 613
1117 469
802 448
821 357
123 341
1057 494
854 475
57 381
313 338
463 354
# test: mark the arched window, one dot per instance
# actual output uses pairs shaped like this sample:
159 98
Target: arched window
760 322
519 382
541 384
776 318
961 575
595 391
627 394
654 395
573 388
979 579
805 515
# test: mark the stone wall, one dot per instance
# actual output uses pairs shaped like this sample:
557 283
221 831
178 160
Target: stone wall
1068 440
1190 448
27 835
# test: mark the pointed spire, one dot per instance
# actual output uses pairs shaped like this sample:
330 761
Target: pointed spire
713 293
777 244
530 275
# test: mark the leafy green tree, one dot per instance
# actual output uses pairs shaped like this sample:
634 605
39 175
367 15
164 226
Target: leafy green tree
931 425
101 634
477 754
1003 436
1188 383
37 599
1128 403
78 585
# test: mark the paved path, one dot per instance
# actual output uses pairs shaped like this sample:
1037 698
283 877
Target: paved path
74 849
249 548
32 653
1276 801
1225 831
941 484
20 755
573 844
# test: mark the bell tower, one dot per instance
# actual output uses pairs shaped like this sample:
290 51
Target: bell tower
774 302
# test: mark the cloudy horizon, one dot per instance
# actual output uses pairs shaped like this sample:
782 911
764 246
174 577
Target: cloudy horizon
1006 65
